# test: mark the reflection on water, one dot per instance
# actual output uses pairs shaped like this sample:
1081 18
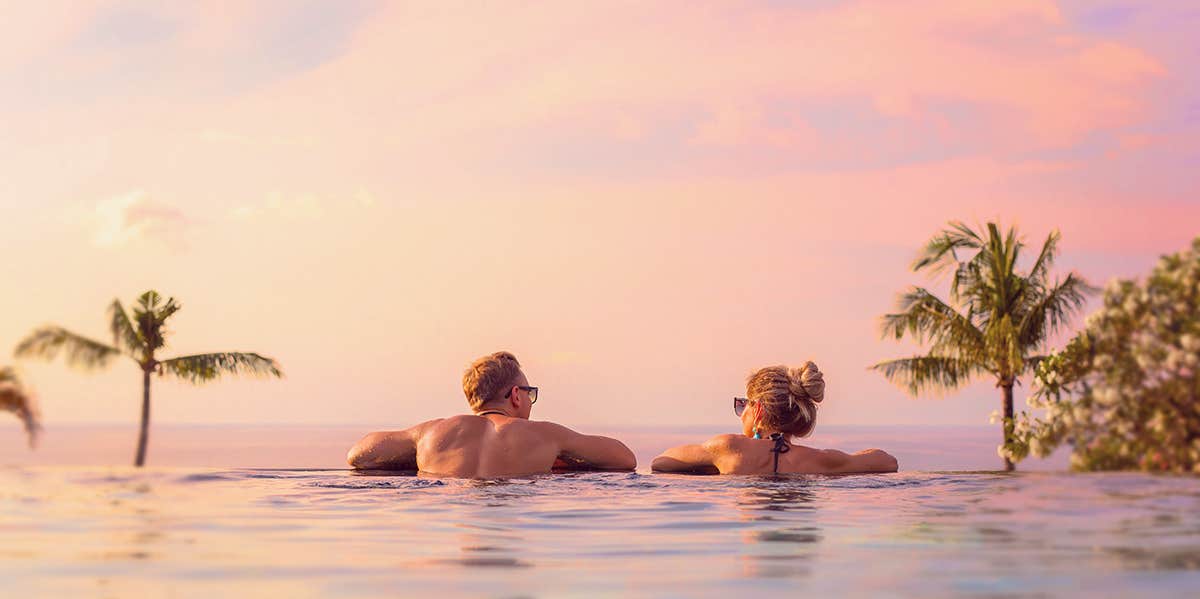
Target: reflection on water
778 495
788 549
304 533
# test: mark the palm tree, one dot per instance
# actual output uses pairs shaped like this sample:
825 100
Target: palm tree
997 319
15 398
140 338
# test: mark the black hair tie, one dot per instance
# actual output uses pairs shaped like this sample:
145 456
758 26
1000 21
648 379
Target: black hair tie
781 446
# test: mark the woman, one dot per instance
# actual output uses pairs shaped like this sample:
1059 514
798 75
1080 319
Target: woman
780 406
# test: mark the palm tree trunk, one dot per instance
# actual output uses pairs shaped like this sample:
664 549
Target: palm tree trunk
1008 422
145 432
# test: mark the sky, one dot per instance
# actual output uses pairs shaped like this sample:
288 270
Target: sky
643 201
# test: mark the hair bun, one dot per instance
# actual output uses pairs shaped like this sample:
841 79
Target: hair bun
807 382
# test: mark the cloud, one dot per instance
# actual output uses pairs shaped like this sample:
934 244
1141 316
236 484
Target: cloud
550 87
742 126
134 217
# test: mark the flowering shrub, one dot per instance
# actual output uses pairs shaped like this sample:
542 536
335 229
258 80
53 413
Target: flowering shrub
1125 393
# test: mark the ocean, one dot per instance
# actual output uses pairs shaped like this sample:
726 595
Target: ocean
272 511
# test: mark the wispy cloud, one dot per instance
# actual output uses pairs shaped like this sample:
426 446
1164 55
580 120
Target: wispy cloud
135 217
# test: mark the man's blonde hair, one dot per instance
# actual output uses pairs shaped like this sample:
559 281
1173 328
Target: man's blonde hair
489 377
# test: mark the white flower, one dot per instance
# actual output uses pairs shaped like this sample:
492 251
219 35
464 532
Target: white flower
1106 396
1158 422
1174 359
995 417
1143 361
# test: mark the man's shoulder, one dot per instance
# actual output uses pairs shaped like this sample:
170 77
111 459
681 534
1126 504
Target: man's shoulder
545 427
424 427
477 421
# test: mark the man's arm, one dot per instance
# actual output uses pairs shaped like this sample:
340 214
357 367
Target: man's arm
869 460
598 452
691 459
387 450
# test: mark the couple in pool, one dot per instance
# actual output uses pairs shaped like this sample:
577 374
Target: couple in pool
498 439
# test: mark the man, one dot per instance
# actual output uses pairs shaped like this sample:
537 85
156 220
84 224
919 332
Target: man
498 440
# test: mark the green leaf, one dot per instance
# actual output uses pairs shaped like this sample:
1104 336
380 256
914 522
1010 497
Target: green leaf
14 398
47 342
920 374
207 367
124 335
151 315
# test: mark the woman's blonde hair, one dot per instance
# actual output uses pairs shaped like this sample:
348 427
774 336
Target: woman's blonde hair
788 397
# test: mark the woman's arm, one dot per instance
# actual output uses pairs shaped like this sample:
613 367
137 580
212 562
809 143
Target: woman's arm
691 459
868 460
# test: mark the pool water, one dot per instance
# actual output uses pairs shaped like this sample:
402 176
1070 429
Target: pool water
117 532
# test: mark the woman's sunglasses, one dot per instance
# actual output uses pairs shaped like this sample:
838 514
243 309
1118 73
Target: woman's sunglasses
531 390
739 405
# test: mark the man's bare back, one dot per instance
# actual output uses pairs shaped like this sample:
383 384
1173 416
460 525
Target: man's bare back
490 446
498 440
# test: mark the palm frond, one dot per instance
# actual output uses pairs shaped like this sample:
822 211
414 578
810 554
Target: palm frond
928 373
924 316
124 335
18 401
148 301
941 251
151 315
47 342
1045 259
206 367
8 374
1053 310
168 309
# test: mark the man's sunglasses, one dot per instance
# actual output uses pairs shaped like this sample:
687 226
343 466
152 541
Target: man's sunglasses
531 390
739 405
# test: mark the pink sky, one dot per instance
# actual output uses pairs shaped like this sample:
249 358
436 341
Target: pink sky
643 201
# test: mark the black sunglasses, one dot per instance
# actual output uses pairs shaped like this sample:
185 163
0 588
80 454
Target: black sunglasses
739 405
531 390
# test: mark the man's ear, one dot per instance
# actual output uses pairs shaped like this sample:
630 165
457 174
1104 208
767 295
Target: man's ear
514 398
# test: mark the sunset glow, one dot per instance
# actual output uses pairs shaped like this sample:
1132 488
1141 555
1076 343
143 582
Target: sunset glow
642 201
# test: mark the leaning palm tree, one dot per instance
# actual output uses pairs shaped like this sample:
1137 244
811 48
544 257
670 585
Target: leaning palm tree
16 398
140 338
997 321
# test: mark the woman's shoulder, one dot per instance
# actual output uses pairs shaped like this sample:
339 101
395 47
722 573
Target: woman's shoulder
726 442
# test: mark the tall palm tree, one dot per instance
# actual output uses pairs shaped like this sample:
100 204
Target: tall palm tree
140 338
16 398
997 321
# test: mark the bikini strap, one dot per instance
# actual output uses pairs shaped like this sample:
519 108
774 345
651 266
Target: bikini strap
781 446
